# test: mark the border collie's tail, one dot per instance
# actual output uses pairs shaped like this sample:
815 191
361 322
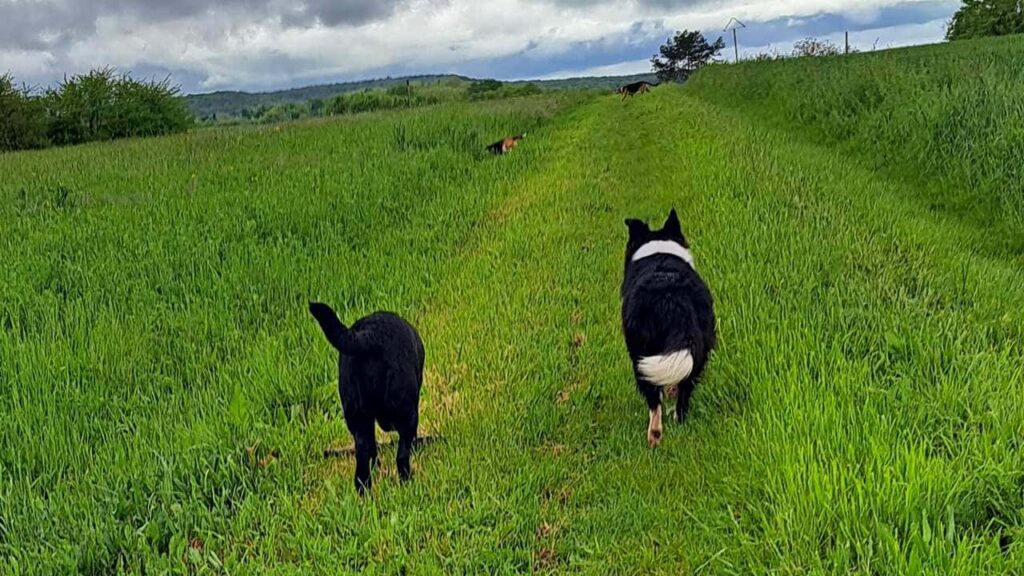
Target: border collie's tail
668 369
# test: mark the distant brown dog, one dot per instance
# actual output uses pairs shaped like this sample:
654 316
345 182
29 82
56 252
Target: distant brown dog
505 146
630 90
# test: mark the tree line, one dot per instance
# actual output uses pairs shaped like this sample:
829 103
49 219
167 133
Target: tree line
378 99
100 105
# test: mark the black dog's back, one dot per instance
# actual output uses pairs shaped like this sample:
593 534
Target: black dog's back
380 373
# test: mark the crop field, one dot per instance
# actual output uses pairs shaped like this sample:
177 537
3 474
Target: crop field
167 399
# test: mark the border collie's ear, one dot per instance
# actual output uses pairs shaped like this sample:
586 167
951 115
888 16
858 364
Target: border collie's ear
672 225
636 227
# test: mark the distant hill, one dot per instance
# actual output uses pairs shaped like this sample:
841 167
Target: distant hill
231 103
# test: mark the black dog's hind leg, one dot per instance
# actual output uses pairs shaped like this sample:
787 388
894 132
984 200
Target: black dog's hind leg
406 439
366 456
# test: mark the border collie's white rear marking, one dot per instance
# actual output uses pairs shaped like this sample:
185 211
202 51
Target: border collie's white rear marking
664 247
667 369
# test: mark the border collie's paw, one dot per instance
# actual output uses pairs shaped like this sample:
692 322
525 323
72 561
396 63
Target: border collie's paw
653 438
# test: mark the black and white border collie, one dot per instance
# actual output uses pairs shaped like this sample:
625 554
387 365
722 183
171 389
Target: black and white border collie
667 316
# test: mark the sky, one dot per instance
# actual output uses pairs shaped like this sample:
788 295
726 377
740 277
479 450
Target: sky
254 45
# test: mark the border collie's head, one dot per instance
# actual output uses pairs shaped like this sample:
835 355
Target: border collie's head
640 234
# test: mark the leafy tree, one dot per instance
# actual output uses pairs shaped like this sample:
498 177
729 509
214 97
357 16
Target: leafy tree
22 118
980 18
101 105
684 54
813 47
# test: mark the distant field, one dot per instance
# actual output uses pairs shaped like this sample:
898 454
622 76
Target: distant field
168 398
232 104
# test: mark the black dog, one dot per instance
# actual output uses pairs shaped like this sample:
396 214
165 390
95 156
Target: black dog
667 316
630 90
380 372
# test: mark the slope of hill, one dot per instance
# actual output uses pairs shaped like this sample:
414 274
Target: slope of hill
231 103
950 115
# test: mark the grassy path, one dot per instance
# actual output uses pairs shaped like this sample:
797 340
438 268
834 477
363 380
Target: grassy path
863 413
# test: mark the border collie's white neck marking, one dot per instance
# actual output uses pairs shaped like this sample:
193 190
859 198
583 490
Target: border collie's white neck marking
664 247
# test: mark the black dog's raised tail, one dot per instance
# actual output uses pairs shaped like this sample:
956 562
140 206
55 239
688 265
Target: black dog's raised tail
330 324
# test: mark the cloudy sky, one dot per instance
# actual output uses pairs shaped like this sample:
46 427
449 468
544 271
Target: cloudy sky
210 45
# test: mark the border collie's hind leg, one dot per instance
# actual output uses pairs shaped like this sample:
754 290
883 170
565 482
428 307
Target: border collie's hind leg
686 389
652 394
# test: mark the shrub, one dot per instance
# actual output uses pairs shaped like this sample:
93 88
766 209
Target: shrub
101 105
22 118
813 47
483 86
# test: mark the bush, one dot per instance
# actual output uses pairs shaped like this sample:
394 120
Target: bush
483 86
813 47
22 118
101 106
372 100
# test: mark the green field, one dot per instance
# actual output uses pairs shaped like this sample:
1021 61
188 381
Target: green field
167 398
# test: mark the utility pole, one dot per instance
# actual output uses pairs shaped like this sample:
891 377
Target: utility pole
847 51
734 25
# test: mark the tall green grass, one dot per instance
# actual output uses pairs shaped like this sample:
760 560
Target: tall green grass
949 116
153 341
167 399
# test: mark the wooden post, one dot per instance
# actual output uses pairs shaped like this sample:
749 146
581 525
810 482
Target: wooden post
736 44
847 50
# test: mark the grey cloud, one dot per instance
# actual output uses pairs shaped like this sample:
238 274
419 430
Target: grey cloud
655 4
338 12
46 24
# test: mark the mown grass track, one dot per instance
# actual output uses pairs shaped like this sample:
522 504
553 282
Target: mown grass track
862 415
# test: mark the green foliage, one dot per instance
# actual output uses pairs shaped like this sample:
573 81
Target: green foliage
981 18
484 86
22 118
96 106
684 54
813 47
102 105
949 114
373 100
